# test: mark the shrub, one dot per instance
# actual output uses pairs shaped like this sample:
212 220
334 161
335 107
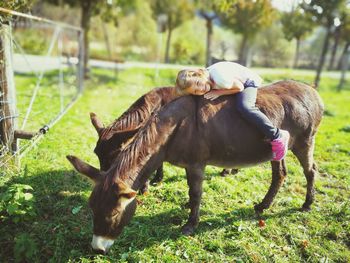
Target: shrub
25 248
17 203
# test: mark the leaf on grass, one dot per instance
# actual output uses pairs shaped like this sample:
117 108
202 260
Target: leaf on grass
262 223
286 249
76 209
345 128
27 196
304 243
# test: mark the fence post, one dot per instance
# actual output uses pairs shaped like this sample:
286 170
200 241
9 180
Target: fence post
8 111
80 66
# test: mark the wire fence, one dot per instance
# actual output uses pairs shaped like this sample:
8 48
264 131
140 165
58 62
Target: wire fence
43 59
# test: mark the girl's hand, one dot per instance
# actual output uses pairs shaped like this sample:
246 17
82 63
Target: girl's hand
213 94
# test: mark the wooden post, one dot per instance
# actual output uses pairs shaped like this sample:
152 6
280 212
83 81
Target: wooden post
80 65
8 111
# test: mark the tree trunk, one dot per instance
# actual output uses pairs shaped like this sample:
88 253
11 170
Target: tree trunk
243 51
339 66
167 47
209 22
296 56
322 58
345 66
106 38
8 111
334 48
86 11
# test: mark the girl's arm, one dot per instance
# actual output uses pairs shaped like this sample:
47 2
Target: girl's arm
237 86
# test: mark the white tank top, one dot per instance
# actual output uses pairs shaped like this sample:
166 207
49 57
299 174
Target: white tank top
223 74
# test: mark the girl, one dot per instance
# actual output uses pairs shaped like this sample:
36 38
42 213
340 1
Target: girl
225 78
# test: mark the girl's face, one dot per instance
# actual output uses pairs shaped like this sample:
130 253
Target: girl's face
198 88
196 82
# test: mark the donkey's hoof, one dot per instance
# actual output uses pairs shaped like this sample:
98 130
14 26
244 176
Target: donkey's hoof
259 209
234 171
225 172
187 230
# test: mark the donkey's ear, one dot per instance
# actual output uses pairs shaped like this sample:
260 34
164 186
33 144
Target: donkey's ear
85 168
125 190
96 123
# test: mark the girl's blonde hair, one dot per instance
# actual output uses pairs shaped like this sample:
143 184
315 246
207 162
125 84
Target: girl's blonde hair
197 78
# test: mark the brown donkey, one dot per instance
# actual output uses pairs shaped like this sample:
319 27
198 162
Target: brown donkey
192 132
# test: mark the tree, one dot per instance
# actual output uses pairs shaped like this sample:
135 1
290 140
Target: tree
272 49
209 16
108 9
138 30
177 12
336 37
345 36
208 10
248 17
324 12
297 25
17 5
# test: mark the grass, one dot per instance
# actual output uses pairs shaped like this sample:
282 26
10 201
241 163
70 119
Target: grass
229 231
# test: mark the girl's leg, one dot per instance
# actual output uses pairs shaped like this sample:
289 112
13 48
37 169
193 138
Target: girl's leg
245 102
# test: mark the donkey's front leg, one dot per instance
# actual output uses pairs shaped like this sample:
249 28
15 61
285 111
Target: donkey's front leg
195 177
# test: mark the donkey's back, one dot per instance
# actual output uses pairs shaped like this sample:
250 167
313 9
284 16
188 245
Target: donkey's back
220 136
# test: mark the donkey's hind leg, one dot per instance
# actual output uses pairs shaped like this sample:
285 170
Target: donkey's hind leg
279 173
305 154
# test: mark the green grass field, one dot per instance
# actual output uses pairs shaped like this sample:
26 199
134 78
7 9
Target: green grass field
55 225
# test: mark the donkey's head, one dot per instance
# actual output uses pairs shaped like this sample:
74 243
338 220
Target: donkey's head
112 204
109 142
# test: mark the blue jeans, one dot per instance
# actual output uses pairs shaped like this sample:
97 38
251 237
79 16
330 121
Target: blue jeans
245 102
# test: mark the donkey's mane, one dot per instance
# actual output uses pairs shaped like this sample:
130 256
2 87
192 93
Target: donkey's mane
138 113
137 151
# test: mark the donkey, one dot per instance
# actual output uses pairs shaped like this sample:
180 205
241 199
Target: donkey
192 132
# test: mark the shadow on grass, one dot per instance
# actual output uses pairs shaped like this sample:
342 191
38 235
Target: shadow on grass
55 228
146 231
62 229
98 76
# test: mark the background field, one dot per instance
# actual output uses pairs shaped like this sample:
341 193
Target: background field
60 228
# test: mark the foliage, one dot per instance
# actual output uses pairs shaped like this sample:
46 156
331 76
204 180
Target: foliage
176 11
32 41
188 48
17 203
345 24
138 31
297 24
228 231
25 248
324 11
17 5
271 49
249 17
